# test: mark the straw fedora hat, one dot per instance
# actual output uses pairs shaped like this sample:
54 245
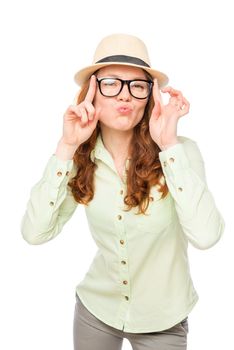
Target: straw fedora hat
120 49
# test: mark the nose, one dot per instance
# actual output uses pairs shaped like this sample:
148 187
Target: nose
124 94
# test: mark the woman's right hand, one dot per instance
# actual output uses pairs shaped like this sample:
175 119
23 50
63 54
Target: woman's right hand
80 120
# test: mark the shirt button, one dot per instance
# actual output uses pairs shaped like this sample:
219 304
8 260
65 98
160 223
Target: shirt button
59 173
165 163
119 217
67 173
121 241
123 262
171 159
51 204
180 189
125 282
121 192
126 297
151 198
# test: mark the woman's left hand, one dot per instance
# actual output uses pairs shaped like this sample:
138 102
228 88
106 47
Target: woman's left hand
164 118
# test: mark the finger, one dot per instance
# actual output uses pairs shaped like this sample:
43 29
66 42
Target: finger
92 89
156 92
185 108
156 110
97 113
183 111
84 116
170 89
78 110
182 103
176 101
173 100
186 102
172 92
90 109
72 111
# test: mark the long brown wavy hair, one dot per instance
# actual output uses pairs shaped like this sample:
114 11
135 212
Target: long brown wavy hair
144 169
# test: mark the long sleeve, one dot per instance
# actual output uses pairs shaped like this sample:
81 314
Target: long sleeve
184 172
51 203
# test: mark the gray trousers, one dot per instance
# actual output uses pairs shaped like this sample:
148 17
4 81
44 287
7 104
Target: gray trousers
90 333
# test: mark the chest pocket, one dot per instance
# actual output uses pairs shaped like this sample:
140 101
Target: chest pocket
158 215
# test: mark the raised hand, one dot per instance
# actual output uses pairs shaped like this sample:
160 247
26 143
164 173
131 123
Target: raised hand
164 118
80 120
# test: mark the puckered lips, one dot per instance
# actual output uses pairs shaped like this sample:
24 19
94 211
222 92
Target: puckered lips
124 109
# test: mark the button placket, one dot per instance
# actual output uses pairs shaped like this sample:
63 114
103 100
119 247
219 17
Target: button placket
124 272
123 258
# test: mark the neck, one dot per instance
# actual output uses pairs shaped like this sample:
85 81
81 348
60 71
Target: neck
117 142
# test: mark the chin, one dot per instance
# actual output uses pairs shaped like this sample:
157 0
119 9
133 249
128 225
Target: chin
123 127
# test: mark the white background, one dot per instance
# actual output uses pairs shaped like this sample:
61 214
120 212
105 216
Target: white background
43 43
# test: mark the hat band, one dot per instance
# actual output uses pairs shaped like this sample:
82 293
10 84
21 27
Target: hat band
124 59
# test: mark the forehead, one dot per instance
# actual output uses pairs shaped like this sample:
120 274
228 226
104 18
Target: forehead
125 72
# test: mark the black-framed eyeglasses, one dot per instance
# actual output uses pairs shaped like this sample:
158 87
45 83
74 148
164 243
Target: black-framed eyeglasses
138 88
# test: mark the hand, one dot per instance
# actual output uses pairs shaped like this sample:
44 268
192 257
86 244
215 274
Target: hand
80 120
164 118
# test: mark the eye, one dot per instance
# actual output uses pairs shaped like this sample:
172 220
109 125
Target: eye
109 82
138 85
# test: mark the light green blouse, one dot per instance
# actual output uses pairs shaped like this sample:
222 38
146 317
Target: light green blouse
139 279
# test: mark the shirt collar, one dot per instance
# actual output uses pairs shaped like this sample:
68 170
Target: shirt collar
99 151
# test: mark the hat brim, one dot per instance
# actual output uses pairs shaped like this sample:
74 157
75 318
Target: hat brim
84 74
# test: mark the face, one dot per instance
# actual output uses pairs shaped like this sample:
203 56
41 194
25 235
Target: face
121 112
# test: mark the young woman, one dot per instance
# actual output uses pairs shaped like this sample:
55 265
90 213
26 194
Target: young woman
146 197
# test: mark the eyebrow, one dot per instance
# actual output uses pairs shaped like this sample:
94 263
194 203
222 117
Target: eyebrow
118 77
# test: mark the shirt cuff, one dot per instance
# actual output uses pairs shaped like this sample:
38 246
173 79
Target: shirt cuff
173 159
58 172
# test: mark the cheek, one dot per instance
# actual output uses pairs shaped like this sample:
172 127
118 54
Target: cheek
104 108
99 102
140 111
